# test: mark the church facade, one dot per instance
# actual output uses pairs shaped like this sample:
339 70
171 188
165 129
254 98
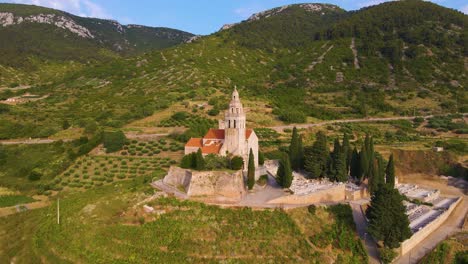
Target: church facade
231 138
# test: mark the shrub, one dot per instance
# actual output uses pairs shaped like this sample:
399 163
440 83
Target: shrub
387 255
114 141
311 208
35 175
237 163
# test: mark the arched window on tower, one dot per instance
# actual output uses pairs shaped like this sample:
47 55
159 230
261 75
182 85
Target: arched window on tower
234 123
229 124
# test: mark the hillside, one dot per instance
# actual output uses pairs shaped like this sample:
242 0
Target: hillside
300 61
31 36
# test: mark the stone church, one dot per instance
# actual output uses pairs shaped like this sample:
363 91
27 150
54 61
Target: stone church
231 138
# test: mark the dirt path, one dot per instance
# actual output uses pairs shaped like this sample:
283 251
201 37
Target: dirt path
361 227
371 119
31 141
355 54
43 201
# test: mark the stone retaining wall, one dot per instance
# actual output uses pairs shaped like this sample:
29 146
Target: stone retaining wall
419 236
333 194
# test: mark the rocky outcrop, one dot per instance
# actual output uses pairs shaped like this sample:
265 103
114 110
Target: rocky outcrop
209 184
9 19
315 8
217 183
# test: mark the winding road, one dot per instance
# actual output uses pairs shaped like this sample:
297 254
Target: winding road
277 128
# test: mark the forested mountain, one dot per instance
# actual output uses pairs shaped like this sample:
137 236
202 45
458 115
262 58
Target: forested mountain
308 60
31 35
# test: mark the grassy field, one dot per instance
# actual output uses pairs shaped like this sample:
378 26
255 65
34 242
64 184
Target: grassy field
11 200
452 250
92 171
97 229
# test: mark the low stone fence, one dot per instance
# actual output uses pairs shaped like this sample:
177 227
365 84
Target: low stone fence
333 194
420 235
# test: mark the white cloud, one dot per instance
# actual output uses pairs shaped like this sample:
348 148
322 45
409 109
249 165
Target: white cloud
464 9
78 7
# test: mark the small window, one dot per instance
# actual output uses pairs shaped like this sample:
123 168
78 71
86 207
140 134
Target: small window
234 123
229 125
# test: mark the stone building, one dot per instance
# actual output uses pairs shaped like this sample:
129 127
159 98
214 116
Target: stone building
231 138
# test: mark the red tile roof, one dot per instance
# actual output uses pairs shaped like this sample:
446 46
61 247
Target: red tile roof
212 149
214 134
248 132
194 142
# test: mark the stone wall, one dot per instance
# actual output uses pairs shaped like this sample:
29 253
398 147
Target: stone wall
334 194
207 183
217 183
417 237
354 195
178 177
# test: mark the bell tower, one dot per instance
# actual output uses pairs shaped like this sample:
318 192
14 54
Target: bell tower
234 126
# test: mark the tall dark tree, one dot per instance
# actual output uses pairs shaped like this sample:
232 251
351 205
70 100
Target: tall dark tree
348 151
380 168
373 179
261 158
388 221
251 171
199 160
294 150
390 172
364 162
317 157
188 161
301 153
338 163
355 166
284 175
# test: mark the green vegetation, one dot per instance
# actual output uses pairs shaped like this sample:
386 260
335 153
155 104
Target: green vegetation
151 148
11 200
100 227
390 172
388 221
251 171
92 171
266 62
31 167
114 141
296 151
446 123
387 255
317 157
340 234
284 175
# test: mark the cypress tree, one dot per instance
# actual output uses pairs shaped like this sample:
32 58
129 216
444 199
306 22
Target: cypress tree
187 161
251 171
301 153
284 174
388 221
348 151
294 150
390 172
355 165
317 157
364 162
261 158
373 179
199 160
338 170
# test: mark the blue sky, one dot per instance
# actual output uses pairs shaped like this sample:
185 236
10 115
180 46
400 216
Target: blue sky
195 16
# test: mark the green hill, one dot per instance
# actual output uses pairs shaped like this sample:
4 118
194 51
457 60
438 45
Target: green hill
303 61
32 37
